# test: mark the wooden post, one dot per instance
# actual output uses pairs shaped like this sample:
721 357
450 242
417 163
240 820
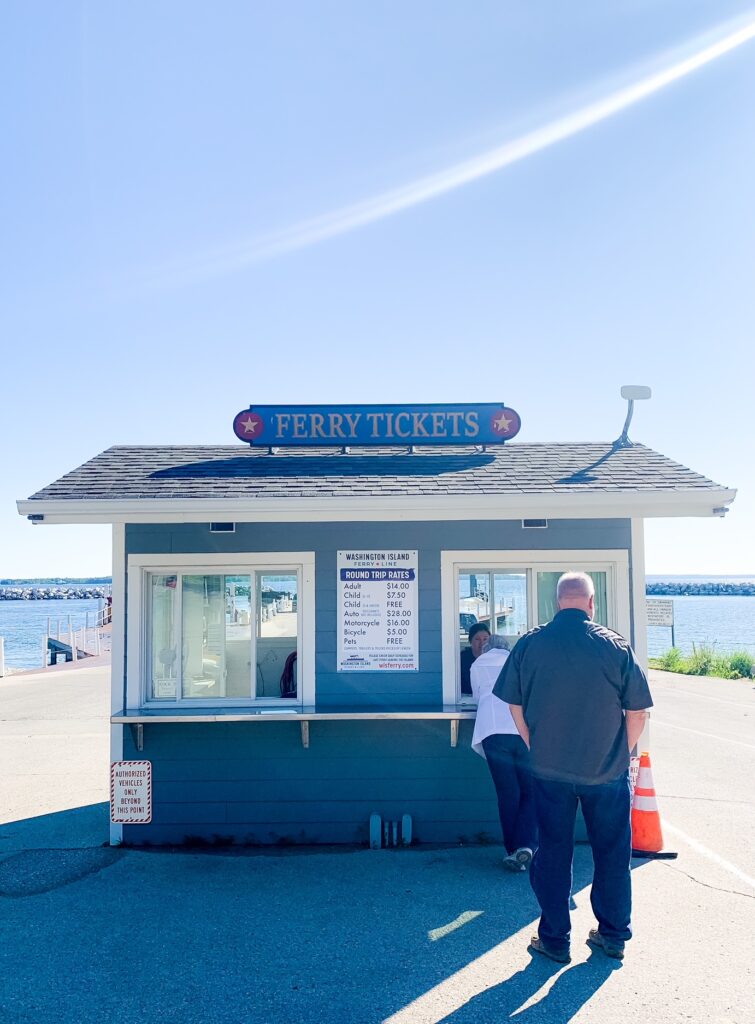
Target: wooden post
44 652
2 657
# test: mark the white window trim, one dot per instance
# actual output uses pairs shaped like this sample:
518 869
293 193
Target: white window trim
639 597
231 563
614 562
117 654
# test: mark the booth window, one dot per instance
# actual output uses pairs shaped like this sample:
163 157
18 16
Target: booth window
546 595
510 592
218 636
497 600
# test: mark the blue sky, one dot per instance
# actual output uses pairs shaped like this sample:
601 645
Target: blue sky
161 159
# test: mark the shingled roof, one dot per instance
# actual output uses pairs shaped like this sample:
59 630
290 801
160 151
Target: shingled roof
187 475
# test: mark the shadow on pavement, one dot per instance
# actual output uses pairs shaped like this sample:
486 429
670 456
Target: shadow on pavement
299 937
575 985
75 828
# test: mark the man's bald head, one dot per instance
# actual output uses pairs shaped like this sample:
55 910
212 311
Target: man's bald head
576 590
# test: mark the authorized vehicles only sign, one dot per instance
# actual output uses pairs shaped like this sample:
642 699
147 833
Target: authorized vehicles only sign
377 611
131 792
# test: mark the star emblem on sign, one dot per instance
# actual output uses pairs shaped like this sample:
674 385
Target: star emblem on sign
248 425
505 423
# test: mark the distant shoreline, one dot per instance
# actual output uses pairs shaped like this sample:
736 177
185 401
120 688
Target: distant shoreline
56 593
63 589
703 589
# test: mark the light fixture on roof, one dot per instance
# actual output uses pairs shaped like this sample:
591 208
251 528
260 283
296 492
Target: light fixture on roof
632 393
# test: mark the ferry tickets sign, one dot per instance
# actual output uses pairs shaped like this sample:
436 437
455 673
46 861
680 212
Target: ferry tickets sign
324 425
377 611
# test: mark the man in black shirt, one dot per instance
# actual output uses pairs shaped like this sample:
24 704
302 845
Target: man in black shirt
579 700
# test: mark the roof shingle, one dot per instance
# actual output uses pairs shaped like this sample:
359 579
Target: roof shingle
126 473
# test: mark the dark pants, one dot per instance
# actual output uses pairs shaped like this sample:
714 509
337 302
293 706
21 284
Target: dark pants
606 809
509 763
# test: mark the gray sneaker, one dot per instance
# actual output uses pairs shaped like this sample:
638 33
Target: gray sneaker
519 860
597 941
561 956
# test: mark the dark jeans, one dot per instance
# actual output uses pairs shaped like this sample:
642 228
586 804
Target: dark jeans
509 764
606 809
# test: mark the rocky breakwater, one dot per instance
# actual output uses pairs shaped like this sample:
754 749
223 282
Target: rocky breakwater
701 588
48 593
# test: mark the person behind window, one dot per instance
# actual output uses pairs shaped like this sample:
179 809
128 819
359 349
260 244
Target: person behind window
497 739
478 635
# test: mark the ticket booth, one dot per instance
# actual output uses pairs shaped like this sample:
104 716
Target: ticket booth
289 611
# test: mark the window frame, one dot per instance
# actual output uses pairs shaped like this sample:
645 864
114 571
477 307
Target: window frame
613 562
141 567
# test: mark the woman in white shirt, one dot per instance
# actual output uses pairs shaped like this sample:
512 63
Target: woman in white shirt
496 739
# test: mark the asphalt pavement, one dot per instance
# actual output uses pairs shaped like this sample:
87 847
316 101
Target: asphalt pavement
417 936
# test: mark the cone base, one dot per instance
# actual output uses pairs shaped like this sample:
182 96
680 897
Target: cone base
648 855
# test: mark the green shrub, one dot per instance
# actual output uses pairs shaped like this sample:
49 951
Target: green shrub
704 661
742 665
701 661
671 661
721 668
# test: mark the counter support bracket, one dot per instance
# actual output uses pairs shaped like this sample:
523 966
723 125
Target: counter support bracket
137 732
454 732
305 734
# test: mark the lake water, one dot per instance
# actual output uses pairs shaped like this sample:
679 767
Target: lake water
23 624
727 622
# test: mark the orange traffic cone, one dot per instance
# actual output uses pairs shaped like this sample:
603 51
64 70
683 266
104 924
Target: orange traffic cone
647 837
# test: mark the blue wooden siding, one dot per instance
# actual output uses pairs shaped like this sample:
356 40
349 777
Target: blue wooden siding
254 783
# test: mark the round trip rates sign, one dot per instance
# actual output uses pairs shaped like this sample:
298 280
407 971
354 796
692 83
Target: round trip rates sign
377 611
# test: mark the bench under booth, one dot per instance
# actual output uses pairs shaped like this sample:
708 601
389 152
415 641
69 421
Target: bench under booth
289 613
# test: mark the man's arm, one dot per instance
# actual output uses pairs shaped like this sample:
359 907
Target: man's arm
635 725
517 713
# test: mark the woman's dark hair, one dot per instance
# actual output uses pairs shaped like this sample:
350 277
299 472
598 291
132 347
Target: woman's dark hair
478 627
